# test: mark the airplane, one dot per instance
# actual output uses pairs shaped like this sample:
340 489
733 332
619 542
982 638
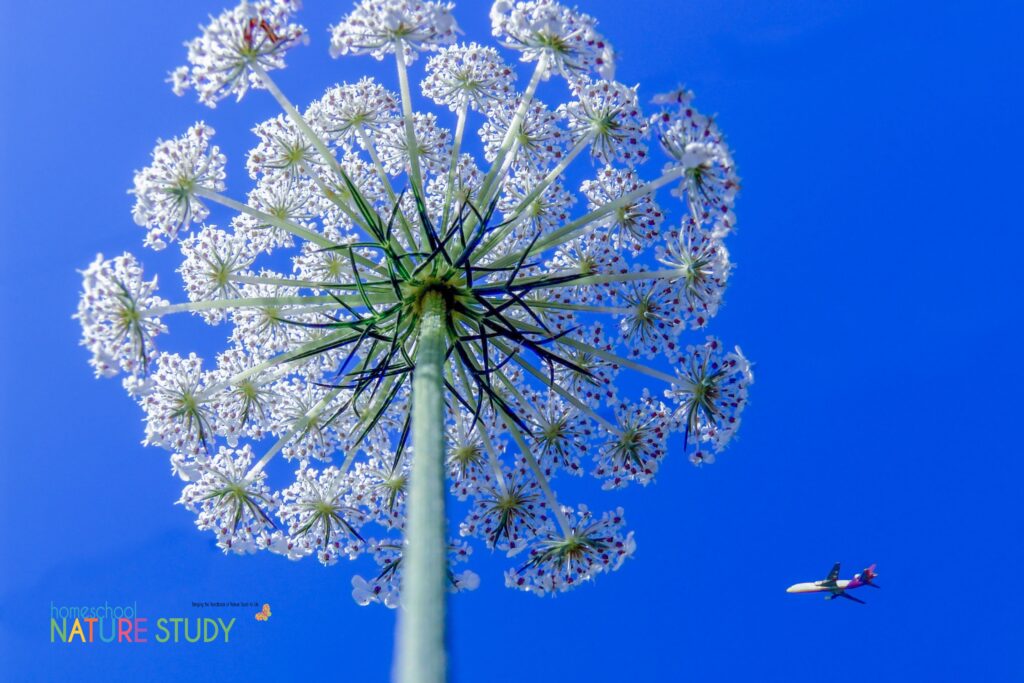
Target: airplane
836 587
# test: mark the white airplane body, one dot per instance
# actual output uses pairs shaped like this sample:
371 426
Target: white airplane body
816 586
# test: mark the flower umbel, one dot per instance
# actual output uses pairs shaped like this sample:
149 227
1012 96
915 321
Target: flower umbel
380 27
167 191
222 60
544 328
118 314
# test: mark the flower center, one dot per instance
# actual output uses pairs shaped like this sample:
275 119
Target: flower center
323 508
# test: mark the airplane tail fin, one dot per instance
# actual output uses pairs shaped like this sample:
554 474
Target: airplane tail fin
868 576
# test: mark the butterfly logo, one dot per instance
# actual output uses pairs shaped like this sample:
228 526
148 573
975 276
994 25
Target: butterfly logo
264 614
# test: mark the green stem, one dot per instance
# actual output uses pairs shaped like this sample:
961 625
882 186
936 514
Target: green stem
578 404
421 628
513 130
614 358
298 120
410 128
460 128
267 218
310 134
625 362
255 302
492 453
367 144
671 274
308 419
310 284
612 310
632 276
581 225
498 168
512 221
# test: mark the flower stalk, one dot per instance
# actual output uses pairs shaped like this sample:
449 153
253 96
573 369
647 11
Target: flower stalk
421 625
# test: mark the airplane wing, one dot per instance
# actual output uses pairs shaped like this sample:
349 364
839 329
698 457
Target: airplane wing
834 574
846 595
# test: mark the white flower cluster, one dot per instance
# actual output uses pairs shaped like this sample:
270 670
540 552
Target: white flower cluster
468 75
560 561
222 60
230 503
119 316
697 148
349 113
565 39
167 191
381 27
607 114
363 207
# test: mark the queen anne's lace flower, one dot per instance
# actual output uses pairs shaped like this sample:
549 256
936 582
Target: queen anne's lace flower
635 449
180 412
711 392
699 152
223 58
235 506
116 311
433 145
542 212
326 267
214 263
381 589
166 191
562 560
302 418
365 221
561 432
703 265
282 149
473 449
282 197
316 511
379 27
507 513
567 39
593 254
649 326
539 141
468 76
382 486
634 223
352 111
590 375
245 398
262 329
288 198
607 115
465 188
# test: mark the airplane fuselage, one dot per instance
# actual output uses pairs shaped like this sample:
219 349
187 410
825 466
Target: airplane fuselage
820 586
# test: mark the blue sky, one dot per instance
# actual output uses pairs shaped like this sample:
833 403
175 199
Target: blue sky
877 289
